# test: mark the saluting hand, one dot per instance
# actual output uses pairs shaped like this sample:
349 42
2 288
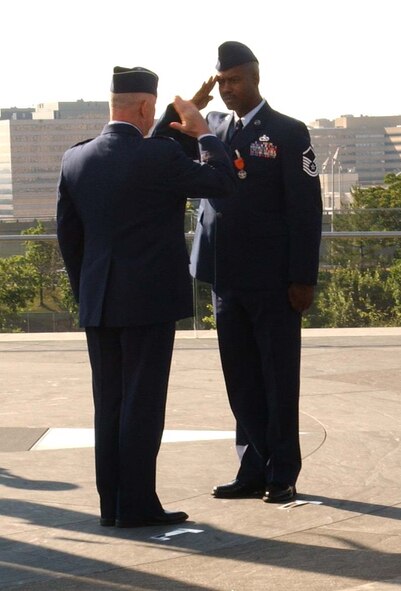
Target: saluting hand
192 122
203 97
301 296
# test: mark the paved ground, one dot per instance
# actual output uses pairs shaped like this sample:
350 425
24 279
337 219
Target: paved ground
347 535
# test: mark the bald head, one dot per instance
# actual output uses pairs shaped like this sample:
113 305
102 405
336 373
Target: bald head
137 108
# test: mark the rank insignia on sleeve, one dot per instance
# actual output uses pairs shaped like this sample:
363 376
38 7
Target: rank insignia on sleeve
308 162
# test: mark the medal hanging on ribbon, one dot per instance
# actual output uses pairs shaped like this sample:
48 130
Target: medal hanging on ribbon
240 165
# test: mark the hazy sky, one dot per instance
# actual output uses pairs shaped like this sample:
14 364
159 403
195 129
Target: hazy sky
317 58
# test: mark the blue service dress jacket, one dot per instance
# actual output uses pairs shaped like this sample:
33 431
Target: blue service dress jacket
268 233
120 223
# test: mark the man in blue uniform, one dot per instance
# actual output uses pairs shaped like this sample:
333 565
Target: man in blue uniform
260 252
120 215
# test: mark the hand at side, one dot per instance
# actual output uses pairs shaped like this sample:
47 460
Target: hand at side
301 296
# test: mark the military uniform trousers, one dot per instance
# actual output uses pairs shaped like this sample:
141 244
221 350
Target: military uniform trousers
259 339
130 371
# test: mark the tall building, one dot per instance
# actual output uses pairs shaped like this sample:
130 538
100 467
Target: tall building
31 149
367 146
16 113
350 151
72 110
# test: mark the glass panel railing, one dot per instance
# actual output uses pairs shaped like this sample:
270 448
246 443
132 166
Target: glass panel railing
35 295
359 280
362 220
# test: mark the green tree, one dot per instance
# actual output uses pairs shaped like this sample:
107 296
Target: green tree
45 258
355 298
66 298
209 321
381 197
360 278
18 286
373 209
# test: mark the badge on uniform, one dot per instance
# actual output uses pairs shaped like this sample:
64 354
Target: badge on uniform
240 165
308 162
205 156
263 148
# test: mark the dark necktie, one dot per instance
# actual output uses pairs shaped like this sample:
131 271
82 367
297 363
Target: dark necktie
237 128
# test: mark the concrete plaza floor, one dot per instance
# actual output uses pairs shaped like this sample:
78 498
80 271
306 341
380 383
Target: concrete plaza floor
345 536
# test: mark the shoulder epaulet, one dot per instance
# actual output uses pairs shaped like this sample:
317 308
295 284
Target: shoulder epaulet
161 137
83 142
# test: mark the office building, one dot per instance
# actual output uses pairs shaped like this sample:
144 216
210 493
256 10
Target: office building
350 151
355 150
16 113
31 149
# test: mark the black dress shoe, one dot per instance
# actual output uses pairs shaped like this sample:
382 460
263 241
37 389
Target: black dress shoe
107 522
165 518
237 490
279 493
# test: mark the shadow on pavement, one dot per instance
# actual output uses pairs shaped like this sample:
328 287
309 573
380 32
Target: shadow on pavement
11 480
339 556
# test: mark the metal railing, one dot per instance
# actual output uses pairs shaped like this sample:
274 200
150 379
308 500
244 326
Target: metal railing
349 263
334 234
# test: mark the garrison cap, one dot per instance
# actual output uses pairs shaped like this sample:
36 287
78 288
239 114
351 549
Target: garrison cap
232 54
133 80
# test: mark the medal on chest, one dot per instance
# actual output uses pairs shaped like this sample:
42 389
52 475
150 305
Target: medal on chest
240 165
